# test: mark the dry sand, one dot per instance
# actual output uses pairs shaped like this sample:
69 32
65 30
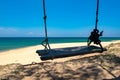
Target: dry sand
97 66
28 55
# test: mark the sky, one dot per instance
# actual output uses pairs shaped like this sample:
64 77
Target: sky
65 18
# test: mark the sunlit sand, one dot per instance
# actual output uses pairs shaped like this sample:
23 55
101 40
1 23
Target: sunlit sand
28 55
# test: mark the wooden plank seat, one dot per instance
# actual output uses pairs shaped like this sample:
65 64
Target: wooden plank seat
67 52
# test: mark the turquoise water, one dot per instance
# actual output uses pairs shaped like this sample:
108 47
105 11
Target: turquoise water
8 43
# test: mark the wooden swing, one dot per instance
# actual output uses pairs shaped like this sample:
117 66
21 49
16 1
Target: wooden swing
49 53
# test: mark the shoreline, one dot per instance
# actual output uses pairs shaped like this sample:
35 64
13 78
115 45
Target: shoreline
28 55
4 50
50 44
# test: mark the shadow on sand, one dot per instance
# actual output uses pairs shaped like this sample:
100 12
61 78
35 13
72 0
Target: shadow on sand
76 69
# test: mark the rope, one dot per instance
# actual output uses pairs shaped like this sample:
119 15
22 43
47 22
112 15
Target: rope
94 36
96 23
45 43
45 17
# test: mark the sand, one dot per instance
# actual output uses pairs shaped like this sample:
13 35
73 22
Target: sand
28 55
93 66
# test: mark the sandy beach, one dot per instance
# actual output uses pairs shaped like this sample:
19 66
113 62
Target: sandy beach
25 64
28 55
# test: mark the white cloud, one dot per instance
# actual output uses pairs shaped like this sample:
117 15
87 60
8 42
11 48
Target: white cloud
2 29
7 31
11 29
30 33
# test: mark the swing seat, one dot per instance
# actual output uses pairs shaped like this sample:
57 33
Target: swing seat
67 52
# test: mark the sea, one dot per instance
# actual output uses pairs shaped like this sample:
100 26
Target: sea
9 43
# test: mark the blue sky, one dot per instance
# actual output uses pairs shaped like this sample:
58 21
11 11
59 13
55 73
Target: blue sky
65 18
